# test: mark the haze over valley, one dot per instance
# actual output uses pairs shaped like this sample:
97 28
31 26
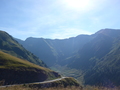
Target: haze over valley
91 59
59 44
84 57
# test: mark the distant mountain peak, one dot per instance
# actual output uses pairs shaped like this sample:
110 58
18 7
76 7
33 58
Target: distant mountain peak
105 30
109 32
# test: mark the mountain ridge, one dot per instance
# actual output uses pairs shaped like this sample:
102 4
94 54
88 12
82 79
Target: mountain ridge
57 48
18 66
89 54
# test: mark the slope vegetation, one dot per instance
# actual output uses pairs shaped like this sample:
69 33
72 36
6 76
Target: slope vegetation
10 46
96 56
14 70
55 51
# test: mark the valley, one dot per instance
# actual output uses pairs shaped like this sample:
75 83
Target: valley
19 66
92 59
45 40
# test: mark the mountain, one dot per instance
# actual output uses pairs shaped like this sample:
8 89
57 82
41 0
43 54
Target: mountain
105 42
9 45
41 49
14 70
92 51
106 70
99 59
93 58
54 51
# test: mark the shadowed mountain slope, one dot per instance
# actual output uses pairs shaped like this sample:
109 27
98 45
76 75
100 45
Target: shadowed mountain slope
96 56
55 51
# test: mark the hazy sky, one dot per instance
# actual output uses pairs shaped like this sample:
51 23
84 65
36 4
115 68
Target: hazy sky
57 18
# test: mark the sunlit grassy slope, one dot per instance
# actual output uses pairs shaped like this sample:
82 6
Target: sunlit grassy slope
10 62
15 70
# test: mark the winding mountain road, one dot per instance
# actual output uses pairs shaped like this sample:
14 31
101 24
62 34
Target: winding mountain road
36 82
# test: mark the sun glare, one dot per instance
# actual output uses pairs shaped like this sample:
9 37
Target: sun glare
77 4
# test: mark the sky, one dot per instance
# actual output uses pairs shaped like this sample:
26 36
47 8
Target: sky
57 19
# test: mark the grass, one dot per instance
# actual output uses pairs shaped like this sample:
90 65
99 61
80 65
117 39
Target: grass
7 61
27 88
9 45
17 65
60 88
